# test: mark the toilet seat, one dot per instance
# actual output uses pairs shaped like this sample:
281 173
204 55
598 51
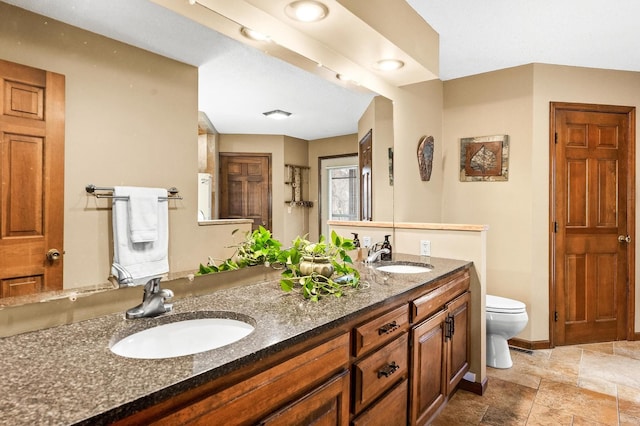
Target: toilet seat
502 305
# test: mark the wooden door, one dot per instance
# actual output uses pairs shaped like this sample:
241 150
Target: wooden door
458 347
245 188
365 154
592 218
31 179
428 383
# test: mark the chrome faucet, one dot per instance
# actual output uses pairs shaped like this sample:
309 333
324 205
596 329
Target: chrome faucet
152 302
375 256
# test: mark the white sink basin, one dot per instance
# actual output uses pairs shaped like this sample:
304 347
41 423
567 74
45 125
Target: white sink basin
180 338
403 269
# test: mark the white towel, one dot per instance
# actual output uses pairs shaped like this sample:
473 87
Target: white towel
135 263
143 212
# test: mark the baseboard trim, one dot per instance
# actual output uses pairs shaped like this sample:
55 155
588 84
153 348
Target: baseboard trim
528 344
474 387
543 344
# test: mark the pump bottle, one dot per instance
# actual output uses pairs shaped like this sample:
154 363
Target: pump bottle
356 244
386 244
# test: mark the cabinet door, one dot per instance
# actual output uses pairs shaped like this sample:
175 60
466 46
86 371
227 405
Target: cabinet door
326 405
458 345
428 384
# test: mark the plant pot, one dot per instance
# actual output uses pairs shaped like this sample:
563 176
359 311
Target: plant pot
320 265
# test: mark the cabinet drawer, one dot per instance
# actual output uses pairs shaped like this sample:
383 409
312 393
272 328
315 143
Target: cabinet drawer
435 300
380 330
379 371
391 409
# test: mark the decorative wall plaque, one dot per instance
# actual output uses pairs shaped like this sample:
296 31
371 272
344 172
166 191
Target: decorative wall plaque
425 157
484 158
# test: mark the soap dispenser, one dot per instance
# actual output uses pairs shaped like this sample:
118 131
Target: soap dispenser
356 244
386 245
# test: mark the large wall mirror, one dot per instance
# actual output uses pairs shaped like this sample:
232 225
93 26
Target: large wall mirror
149 99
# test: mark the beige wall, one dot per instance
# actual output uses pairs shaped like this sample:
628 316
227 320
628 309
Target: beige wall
295 219
417 113
515 102
131 119
491 104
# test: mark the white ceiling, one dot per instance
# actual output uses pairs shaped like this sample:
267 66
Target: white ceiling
238 83
480 36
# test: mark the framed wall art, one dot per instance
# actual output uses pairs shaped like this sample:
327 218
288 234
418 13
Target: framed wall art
484 159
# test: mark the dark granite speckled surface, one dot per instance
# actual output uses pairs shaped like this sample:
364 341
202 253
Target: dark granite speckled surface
67 374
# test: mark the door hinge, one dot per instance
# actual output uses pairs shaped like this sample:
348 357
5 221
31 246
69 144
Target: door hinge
556 137
555 316
555 227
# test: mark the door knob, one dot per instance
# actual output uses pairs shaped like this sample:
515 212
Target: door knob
53 254
624 238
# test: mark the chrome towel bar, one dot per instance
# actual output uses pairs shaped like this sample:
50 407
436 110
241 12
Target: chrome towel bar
91 189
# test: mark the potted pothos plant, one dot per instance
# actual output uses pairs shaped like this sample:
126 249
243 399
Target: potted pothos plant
319 269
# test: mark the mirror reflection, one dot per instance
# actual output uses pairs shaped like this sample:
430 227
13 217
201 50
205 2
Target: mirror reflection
145 106
234 194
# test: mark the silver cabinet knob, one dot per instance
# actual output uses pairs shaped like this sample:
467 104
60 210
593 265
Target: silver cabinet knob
624 238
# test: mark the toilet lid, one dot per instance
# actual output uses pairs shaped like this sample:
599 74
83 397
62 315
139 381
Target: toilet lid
503 305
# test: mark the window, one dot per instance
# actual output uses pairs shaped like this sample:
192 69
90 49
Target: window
343 193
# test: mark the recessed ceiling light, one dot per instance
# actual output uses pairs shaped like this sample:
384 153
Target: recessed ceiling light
306 10
254 35
277 114
388 64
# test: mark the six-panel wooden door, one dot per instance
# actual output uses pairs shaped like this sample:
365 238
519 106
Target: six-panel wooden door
591 231
32 103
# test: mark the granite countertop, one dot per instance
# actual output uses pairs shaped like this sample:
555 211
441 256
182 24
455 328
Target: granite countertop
67 374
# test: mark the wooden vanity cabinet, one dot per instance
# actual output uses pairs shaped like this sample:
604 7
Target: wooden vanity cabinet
440 346
394 366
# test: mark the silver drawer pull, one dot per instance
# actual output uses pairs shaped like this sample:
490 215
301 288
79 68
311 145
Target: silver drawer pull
388 369
388 328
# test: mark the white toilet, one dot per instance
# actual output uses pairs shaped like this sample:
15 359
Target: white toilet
505 319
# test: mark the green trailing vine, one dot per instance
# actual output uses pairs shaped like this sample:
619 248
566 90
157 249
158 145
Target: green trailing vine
315 285
260 248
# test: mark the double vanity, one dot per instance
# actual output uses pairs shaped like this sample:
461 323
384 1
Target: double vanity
391 352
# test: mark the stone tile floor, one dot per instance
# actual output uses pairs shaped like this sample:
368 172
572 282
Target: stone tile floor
594 384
